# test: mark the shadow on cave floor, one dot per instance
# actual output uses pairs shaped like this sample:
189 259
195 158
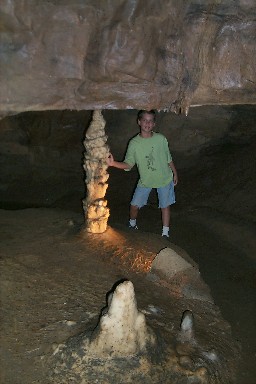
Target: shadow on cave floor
224 247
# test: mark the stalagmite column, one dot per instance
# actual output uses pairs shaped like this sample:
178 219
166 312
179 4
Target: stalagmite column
95 166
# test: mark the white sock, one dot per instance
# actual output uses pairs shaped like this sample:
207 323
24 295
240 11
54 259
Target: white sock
132 222
165 231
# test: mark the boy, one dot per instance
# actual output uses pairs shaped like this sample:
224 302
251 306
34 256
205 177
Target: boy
150 152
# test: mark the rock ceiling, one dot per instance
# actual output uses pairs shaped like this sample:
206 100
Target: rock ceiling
122 54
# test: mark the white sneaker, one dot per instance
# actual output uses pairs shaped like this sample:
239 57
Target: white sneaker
133 226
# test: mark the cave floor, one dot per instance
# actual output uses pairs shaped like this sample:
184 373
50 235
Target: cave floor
224 247
43 267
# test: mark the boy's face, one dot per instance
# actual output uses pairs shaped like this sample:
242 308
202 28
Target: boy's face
146 122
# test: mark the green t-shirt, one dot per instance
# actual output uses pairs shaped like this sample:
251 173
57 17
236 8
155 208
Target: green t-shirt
152 156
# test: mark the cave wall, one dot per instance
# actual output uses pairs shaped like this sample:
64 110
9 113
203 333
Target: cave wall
41 158
213 148
126 54
214 151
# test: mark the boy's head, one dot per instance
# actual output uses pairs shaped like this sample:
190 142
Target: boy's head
146 122
142 112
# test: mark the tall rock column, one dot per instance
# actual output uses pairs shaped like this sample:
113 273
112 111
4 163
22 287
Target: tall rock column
95 166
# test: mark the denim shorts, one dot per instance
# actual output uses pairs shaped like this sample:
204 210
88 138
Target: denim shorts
166 196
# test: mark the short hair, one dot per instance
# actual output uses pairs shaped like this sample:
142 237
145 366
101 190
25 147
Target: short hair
143 111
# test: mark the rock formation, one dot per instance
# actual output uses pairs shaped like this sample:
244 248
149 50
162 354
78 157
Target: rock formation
124 349
122 330
167 55
95 206
121 336
180 273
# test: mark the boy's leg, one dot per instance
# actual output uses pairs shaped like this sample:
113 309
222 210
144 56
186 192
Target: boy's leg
166 198
166 215
140 198
134 210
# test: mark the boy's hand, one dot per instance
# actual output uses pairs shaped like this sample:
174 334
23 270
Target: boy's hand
110 160
175 175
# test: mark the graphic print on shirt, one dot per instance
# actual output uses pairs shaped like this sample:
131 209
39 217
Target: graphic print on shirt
150 160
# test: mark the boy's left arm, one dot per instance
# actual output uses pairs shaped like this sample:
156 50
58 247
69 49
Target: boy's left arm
175 174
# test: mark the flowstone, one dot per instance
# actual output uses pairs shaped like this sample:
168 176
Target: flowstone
124 349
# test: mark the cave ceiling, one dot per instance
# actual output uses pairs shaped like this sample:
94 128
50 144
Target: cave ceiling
132 54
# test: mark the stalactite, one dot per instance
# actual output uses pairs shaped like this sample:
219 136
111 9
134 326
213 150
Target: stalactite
96 150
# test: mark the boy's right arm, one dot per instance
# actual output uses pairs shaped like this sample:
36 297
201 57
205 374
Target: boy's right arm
117 164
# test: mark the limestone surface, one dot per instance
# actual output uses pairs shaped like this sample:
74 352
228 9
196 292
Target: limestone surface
166 55
180 273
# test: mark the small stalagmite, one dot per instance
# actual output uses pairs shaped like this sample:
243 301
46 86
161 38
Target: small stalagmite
122 330
123 348
117 351
96 151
